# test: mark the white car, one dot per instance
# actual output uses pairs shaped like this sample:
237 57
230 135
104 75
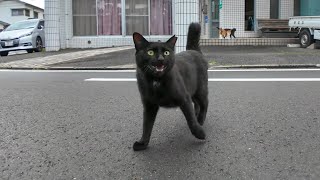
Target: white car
23 35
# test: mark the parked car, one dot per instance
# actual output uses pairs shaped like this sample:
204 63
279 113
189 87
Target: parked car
23 35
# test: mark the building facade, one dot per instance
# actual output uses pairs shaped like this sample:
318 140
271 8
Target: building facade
243 14
107 23
12 11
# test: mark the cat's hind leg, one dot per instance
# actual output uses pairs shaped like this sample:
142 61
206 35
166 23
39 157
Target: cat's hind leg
193 124
202 99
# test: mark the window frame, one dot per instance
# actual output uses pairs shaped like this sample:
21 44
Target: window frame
254 17
18 10
27 14
278 6
148 15
34 14
123 21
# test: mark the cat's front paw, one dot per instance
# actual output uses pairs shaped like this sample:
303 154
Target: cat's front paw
138 146
199 133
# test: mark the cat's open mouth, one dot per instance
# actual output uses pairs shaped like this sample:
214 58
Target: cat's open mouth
159 67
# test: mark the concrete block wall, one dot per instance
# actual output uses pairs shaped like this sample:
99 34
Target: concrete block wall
52 25
286 9
262 9
232 15
59 29
186 11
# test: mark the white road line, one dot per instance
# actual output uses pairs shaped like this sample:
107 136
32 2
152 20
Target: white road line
264 79
260 70
124 71
218 79
67 71
111 79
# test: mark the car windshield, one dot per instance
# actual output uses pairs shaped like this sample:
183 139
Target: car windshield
22 25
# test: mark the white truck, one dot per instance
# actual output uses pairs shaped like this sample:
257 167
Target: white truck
308 29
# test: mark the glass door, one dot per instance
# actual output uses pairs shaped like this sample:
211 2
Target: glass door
214 13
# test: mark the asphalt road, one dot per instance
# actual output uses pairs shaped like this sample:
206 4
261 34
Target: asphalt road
56 125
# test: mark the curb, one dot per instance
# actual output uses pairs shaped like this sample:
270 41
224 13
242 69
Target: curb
66 68
270 66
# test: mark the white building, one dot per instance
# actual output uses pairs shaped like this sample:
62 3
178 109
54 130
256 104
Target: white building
12 11
103 23
106 23
236 14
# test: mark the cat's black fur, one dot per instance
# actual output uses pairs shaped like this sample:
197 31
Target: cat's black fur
169 80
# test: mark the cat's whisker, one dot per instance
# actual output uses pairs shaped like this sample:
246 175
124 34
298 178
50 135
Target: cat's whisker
146 68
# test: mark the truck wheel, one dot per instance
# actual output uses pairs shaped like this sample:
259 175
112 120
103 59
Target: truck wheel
317 44
305 38
4 53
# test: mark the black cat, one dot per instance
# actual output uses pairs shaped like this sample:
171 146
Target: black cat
169 80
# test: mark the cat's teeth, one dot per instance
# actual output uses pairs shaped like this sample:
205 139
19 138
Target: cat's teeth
160 69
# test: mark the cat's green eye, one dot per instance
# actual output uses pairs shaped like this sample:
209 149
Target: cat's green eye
150 53
166 53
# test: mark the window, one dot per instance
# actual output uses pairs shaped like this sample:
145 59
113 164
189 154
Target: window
109 17
274 9
41 23
137 17
161 17
17 12
23 25
104 17
249 15
27 12
35 14
84 17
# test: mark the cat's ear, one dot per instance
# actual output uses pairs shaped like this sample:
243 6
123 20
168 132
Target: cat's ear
172 41
139 41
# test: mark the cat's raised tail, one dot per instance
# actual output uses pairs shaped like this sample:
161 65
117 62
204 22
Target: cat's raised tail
194 37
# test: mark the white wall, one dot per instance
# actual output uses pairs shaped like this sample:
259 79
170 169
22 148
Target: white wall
232 15
286 9
5 11
38 10
59 30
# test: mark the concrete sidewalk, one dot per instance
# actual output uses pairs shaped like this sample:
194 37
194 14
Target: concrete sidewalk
217 56
47 61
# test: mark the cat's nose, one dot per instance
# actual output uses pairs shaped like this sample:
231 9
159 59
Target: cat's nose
161 58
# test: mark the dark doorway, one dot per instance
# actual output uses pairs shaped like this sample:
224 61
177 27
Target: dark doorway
274 9
249 15
296 8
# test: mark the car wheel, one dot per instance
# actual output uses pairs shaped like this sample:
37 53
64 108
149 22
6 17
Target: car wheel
305 38
30 50
39 45
4 53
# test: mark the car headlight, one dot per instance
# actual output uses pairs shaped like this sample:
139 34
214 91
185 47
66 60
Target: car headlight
25 35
